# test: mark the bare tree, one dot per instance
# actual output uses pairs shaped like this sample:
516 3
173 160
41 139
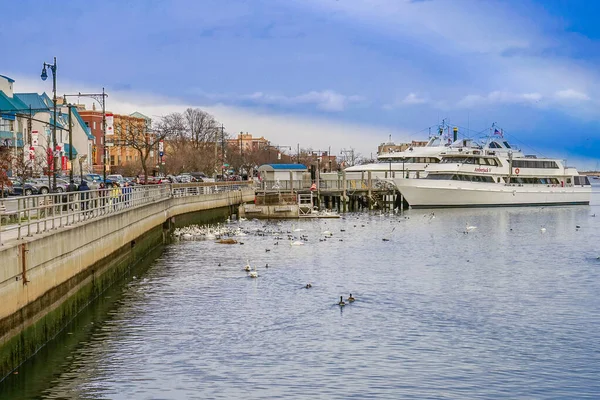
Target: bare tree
196 143
5 164
144 139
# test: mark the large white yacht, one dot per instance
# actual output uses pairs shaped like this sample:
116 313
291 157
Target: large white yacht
410 162
495 174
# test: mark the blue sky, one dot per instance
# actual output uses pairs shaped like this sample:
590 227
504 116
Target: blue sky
336 73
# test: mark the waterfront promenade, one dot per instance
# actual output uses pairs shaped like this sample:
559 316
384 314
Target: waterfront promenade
58 252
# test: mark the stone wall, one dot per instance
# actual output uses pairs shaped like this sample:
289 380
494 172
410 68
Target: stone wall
47 279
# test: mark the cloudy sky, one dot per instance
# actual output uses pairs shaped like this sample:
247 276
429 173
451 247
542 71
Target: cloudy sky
330 73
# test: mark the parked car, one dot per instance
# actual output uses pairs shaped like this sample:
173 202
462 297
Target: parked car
7 190
27 189
185 178
110 179
93 180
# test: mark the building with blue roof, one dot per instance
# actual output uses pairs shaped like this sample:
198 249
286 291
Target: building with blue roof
26 120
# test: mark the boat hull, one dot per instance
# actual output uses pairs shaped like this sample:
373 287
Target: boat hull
426 193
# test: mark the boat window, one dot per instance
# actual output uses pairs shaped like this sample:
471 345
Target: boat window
454 177
586 181
494 145
568 180
442 177
470 160
534 164
506 144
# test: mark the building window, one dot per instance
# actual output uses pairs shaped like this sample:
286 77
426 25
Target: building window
94 124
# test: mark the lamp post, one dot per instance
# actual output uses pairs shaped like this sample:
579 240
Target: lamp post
100 98
44 76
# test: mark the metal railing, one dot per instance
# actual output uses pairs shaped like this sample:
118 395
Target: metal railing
328 185
29 215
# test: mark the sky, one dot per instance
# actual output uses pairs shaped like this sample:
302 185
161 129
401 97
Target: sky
329 74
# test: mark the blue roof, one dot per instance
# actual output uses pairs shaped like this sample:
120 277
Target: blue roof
5 103
59 123
33 100
286 166
8 79
85 128
66 150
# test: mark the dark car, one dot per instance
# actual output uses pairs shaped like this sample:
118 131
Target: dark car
26 189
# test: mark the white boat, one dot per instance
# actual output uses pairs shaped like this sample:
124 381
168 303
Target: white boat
410 162
495 174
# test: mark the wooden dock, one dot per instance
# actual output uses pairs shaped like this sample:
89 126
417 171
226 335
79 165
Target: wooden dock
334 191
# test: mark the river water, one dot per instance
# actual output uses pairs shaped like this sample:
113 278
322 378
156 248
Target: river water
504 311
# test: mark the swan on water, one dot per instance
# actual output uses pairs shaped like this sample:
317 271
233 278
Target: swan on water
253 274
469 228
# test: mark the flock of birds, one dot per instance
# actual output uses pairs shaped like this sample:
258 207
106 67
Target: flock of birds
295 237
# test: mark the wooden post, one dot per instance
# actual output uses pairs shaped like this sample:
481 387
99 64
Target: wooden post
291 182
369 188
344 198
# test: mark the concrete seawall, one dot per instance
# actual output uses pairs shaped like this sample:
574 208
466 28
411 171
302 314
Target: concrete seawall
47 279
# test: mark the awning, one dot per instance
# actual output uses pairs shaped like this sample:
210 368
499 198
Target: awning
67 151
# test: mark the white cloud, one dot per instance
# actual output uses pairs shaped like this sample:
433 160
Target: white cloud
499 97
411 99
325 100
571 94
284 130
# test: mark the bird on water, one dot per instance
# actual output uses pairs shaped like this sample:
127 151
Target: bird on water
341 303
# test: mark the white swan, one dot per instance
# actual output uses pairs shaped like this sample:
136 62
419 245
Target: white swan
327 233
247 266
296 243
253 274
543 230
296 229
469 228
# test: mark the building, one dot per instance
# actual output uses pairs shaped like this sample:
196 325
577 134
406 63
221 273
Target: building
282 172
248 143
26 127
118 153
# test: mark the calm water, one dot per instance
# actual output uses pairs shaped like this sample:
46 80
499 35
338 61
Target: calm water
505 311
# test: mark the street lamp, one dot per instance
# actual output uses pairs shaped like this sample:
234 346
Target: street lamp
44 76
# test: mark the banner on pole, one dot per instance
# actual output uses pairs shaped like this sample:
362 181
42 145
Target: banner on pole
110 121
35 138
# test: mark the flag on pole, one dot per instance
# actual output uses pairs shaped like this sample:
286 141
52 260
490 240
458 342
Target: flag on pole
497 132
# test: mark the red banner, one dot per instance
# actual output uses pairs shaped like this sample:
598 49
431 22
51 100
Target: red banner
64 163
50 159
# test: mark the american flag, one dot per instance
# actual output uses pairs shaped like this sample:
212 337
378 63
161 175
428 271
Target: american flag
497 132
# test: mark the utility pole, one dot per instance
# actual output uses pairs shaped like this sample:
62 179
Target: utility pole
70 142
222 149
